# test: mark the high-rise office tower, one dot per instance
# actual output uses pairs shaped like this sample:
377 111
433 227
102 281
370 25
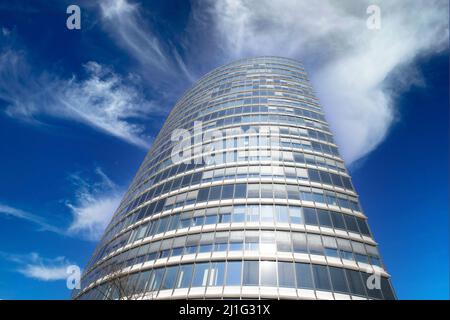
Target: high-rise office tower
243 195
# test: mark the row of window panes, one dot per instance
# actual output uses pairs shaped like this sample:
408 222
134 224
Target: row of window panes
242 191
197 162
265 118
244 97
165 149
248 273
250 213
264 241
242 172
239 191
229 158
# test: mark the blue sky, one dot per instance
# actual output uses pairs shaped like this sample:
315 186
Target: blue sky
79 109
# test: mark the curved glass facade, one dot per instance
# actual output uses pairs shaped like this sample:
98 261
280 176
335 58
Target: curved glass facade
243 195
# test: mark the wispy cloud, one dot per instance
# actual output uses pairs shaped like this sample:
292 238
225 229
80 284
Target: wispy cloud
37 267
95 201
100 99
162 62
349 64
30 217
94 205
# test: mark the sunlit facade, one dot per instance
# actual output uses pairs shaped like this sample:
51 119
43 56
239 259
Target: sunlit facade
242 195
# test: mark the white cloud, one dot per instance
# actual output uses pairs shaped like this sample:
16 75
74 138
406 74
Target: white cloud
37 267
348 63
103 100
94 206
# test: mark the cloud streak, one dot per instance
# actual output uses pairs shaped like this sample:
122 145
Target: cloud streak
30 217
162 62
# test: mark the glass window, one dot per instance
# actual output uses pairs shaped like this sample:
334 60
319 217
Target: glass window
296 215
164 253
351 223
129 284
202 195
163 225
200 275
251 273
224 217
227 191
325 177
304 276
266 191
218 247
268 244
386 288
282 214
321 278
361 258
329 252
169 278
214 193
217 274
236 246
293 193
310 216
253 191
347 255
338 220
185 276
205 248
190 249
286 276
279 191
363 226
358 247
301 172
176 252
174 222
268 271
233 273
315 244
324 218
143 280
238 214
338 279
240 190
266 213
313 175
337 180
283 241
141 232
355 282
252 213
299 242
211 219
155 279
375 261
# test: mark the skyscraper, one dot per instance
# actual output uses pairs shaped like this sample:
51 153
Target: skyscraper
242 195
